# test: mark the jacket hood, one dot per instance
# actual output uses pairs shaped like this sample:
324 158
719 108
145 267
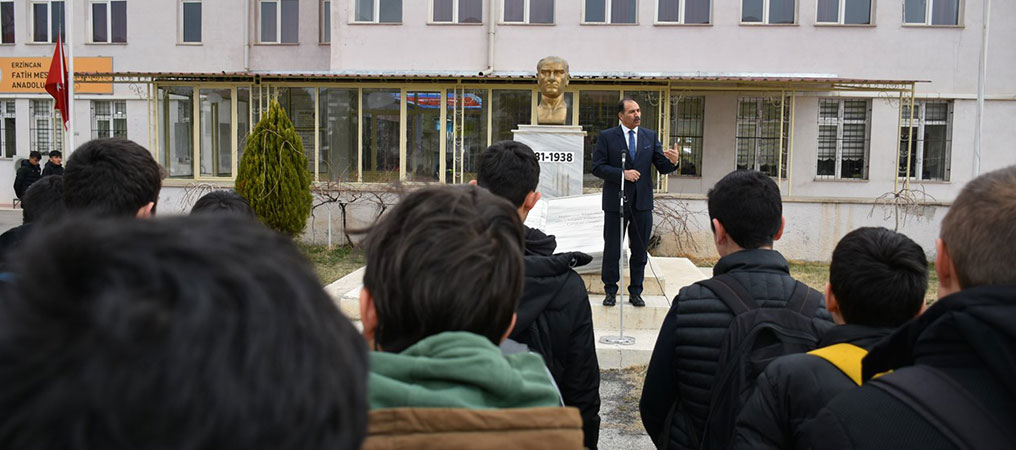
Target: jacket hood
974 326
50 164
458 370
756 260
539 243
545 277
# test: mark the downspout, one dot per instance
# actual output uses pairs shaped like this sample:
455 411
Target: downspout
246 35
981 69
491 30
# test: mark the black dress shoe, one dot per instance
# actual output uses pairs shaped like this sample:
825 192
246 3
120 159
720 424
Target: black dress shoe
610 300
636 300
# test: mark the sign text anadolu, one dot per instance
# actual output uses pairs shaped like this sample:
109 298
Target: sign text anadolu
28 75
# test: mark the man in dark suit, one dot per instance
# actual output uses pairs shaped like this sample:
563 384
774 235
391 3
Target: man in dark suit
642 150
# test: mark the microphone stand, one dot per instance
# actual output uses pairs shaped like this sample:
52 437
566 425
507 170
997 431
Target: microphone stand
621 339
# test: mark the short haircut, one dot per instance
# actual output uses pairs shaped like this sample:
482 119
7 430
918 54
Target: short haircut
541 62
43 200
444 259
879 277
171 334
55 154
223 202
113 177
34 154
979 233
620 104
749 206
510 170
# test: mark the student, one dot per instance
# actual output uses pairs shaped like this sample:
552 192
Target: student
877 281
112 177
951 385
27 174
554 316
170 334
443 280
53 166
223 202
746 215
43 203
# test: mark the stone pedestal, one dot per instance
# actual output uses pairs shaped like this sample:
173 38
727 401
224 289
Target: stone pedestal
559 148
577 222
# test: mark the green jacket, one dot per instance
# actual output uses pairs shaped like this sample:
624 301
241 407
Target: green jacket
458 370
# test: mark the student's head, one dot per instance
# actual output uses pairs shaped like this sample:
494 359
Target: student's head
172 334
112 177
745 211
55 157
511 171
977 242
877 277
223 202
34 157
444 259
43 200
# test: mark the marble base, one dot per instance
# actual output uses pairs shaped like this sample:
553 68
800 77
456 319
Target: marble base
577 222
560 148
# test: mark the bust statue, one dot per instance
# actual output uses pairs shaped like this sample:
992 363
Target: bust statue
552 74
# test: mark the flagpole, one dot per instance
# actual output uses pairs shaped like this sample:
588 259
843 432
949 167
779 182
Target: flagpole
69 27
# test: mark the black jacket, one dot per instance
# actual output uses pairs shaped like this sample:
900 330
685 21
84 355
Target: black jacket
52 169
28 173
556 321
792 390
684 360
970 336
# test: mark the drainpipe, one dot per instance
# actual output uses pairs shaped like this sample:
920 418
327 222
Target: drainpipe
246 35
982 67
491 30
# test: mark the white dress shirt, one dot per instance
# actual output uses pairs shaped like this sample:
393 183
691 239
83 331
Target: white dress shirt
626 130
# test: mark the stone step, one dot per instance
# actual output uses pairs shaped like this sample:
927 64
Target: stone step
648 317
617 356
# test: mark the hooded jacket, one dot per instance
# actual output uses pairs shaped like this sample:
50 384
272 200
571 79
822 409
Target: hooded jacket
52 169
969 336
28 173
556 321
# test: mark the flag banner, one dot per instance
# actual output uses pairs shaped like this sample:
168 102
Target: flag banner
56 82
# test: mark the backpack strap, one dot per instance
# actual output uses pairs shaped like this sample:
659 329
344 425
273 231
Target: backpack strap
731 292
947 406
846 357
803 299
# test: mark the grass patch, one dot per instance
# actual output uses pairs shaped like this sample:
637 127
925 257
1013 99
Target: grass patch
335 263
816 274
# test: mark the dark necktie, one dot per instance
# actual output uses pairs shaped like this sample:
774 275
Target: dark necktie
631 144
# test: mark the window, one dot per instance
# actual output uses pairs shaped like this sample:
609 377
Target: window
528 11
109 119
686 125
176 130
682 11
190 21
457 11
47 20
931 12
326 21
280 21
610 11
771 12
8 139
46 127
930 139
843 138
7 22
844 12
378 11
109 20
760 145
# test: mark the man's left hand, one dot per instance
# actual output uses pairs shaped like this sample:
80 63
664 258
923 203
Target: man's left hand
673 154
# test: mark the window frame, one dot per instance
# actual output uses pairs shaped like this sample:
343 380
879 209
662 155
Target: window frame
376 20
49 21
278 23
607 16
927 15
765 15
325 22
182 25
14 21
526 6
8 110
54 124
782 163
675 137
455 14
841 13
111 118
109 23
839 121
681 6
917 163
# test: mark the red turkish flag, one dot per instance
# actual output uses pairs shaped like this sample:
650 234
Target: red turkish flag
56 82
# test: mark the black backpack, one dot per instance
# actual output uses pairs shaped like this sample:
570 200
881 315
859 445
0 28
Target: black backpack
754 338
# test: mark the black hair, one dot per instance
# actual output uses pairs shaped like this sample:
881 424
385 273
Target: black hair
749 206
34 154
43 200
444 259
223 202
620 104
879 277
111 176
172 334
55 154
510 170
